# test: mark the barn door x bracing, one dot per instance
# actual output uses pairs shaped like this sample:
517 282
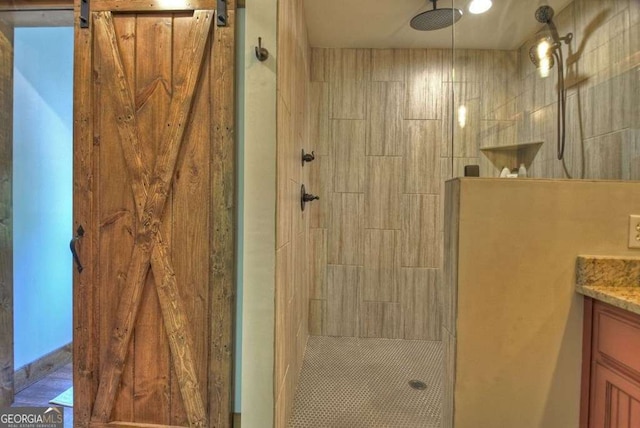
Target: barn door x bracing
153 195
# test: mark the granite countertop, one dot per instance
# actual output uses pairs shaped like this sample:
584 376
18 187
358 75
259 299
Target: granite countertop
613 280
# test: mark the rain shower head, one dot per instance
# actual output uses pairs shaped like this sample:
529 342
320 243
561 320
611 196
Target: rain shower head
435 19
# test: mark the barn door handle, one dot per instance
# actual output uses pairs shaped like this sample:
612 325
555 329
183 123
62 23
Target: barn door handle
72 245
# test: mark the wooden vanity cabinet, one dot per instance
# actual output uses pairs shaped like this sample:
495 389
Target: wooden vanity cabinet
611 367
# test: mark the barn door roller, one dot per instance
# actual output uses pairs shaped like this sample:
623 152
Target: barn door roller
221 13
84 13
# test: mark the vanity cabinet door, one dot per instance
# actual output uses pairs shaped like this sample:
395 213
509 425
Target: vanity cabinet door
612 355
615 400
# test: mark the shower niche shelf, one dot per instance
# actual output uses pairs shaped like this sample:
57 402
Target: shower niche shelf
512 156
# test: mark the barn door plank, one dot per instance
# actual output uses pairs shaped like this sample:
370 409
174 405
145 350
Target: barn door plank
151 72
149 248
222 232
85 335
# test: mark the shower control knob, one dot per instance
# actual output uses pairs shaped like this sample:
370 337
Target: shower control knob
306 197
306 157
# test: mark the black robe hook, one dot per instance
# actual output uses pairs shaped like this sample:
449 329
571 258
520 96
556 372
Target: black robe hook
261 53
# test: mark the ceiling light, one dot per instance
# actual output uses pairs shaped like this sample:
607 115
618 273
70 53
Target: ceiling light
479 6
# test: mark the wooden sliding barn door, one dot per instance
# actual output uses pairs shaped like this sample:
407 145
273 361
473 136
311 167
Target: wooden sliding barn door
153 194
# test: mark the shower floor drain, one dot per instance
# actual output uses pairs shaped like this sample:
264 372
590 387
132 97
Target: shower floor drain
417 384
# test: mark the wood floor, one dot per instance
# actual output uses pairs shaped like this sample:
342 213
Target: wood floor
46 389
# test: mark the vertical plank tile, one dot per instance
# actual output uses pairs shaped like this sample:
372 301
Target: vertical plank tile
381 264
435 80
420 304
299 109
291 316
604 156
424 89
466 139
384 129
319 118
419 231
501 85
347 145
422 156
317 317
345 237
415 106
285 55
449 348
318 263
383 189
298 128
280 405
320 184
284 206
349 72
300 263
283 279
380 319
342 304
319 65
389 65
468 66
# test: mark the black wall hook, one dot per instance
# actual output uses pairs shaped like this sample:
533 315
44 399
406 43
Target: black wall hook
261 53
307 157
306 197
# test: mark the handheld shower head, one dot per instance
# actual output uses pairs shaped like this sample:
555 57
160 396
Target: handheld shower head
544 14
542 54
538 55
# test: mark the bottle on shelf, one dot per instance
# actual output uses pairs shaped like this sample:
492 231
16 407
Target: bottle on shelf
522 171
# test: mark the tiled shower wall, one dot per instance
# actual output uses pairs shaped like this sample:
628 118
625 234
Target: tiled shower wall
486 83
292 225
377 120
603 113
381 128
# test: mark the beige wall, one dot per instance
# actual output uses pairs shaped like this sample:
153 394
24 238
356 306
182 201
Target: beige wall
259 218
292 224
376 233
513 323
603 113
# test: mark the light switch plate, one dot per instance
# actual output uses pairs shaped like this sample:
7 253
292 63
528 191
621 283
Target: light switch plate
634 231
